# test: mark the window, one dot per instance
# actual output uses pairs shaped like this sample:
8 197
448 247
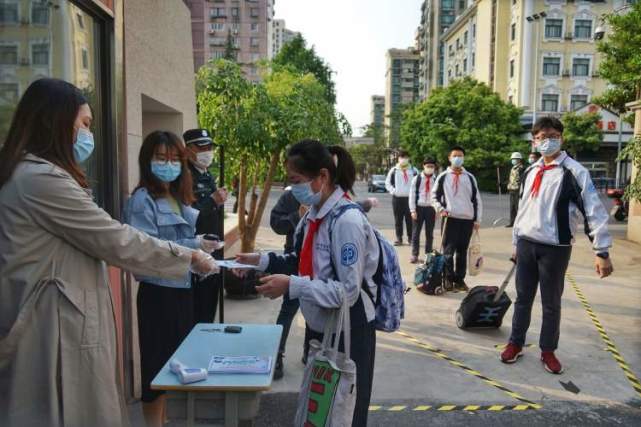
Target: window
85 59
513 32
474 30
457 71
81 21
217 54
578 101
218 26
254 12
235 11
465 65
8 55
447 4
473 59
551 66
465 38
40 54
583 29
39 13
254 27
451 50
255 57
218 41
217 12
458 44
553 28
461 5
581 67
9 13
550 102
511 68
8 93
254 42
510 99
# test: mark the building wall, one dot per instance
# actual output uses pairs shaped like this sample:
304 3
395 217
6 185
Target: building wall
159 73
281 36
401 88
377 111
249 23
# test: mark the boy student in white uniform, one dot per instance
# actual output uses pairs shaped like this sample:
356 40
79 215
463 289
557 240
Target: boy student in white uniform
324 268
456 197
398 184
423 214
556 192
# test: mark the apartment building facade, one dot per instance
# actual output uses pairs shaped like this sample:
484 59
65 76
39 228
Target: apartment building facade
377 111
401 88
248 24
281 36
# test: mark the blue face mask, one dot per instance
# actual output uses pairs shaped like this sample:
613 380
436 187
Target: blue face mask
166 171
456 161
515 162
305 195
549 146
83 146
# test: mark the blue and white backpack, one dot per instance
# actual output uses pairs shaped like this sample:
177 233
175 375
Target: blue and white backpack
390 295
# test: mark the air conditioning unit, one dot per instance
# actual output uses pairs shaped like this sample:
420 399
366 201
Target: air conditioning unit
25 21
566 73
596 75
569 36
25 62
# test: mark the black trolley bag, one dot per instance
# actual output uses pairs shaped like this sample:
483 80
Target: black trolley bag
485 306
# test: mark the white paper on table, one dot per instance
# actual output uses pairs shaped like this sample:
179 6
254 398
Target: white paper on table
235 265
240 365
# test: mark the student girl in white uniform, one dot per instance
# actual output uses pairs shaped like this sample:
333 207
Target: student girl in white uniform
324 268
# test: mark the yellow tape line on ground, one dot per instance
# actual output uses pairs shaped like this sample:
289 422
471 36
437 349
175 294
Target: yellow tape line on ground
450 408
611 348
438 353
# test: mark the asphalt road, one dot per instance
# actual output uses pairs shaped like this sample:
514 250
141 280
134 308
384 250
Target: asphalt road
496 209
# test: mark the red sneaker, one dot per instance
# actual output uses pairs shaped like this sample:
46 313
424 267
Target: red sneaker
551 363
511 353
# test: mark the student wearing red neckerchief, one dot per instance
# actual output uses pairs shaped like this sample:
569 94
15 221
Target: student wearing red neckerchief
456 197
398 183
324 269
422 211
556 192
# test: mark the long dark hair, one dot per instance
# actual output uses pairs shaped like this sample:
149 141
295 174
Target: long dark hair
43 125
308 157
181 189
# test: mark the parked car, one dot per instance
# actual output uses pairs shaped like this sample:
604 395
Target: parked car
376 183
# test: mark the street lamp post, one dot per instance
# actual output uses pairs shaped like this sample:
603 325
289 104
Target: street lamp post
536 18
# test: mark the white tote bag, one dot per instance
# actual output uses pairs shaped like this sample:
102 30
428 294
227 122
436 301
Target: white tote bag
328 393
475 255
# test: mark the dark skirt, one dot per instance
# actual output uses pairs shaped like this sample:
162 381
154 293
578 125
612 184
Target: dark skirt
165 318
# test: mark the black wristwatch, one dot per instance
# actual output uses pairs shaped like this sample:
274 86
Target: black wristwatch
604 255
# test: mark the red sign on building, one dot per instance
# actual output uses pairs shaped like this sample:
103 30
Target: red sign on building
612 125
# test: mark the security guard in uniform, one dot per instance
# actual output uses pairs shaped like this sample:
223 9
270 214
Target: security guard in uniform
210 202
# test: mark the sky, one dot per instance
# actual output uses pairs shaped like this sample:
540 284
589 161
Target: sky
353 37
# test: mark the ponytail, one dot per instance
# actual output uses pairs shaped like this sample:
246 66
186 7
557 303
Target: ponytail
345 168
308 157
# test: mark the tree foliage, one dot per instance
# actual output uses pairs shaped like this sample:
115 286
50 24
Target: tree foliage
370 158
305 60
632 152
255 122
581 132
469 114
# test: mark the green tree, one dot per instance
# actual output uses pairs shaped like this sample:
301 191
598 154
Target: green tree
621 67
305 60
369 158
581 133
231 51
255 122
469 114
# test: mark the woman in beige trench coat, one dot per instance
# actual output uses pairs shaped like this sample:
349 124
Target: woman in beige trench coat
57 335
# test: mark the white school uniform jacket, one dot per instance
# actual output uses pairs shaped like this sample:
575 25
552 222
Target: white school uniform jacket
354 250
566 196
422 197
465 203
398 187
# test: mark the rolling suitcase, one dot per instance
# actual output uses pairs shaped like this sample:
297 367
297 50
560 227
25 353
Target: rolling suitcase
485 306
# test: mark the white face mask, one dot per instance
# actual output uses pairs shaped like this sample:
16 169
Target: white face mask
549 146
429 170
205 159
403 161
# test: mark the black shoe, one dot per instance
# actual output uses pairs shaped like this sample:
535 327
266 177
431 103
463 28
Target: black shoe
448 284
304 359
278 369
398 242
509 226
460 285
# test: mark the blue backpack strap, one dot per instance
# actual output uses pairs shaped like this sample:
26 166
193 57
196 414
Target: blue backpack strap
334 216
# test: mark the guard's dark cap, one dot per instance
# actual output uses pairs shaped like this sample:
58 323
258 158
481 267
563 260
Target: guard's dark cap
199 137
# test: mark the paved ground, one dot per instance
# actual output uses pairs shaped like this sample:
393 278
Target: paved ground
423 383
409 377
